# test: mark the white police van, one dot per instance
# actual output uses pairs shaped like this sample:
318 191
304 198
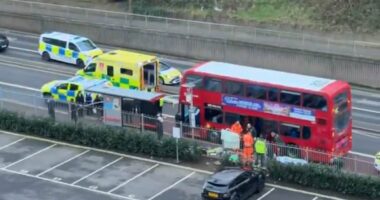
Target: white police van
67 48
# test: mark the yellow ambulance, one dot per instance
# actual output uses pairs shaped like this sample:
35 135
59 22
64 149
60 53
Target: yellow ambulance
125 69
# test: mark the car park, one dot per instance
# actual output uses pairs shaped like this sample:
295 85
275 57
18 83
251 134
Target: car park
233 184
4 42
169 75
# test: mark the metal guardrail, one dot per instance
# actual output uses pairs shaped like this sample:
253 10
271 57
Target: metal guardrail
284 39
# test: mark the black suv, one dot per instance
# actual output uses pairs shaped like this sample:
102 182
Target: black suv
4 42
233 184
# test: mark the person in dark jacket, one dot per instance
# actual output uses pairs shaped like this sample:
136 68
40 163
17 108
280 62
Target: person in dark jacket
80 101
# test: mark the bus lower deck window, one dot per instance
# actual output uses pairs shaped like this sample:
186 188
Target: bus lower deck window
214 115
290 130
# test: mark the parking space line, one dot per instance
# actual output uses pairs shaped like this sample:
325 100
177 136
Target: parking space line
266 194
31 155
62 163
303 192
94 172
133 178
171 186
68 184
12 143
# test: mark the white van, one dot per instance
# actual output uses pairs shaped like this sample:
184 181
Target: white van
67 48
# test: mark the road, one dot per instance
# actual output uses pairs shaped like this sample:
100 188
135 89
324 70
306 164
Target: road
21 60
34 168
203 29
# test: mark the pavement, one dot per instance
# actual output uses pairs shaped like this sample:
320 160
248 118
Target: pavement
33 168
278 38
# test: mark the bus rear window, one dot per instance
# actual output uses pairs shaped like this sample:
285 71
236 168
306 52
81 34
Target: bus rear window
342 112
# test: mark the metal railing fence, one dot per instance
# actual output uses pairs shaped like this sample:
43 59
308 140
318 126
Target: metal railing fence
34 105
295 40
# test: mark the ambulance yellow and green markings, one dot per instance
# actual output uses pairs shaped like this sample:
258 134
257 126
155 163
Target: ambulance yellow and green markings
67 90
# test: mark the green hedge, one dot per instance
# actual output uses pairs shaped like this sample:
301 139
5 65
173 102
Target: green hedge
327 178
322 177
123 140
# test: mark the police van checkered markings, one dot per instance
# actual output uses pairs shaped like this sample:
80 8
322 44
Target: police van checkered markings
192 171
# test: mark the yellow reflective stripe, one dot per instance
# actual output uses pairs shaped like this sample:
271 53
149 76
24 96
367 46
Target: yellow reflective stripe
68 53
83 57
41 46
55 50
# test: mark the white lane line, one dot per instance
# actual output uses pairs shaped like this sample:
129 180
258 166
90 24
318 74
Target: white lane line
62 163
363 133
266 194
46 71
366 110
362 154
19 86
171 186
96 171
304 192
12 143
315 198
23 49
133 178
31 155
67 184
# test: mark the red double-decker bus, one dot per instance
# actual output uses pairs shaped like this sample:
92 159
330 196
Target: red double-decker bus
306 111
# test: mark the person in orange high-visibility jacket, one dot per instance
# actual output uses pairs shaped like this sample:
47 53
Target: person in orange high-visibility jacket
248 142
236 128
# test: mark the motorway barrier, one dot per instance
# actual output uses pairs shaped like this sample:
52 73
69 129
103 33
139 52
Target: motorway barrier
355 69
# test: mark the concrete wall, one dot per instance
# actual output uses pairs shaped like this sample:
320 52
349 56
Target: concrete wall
355 70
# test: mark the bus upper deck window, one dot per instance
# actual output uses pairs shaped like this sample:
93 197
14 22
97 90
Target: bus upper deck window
292 98
194 80
314 101
257 92
234 88
213 85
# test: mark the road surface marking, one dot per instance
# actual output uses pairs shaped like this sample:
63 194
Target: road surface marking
62 163
133 178
31 155
315 198
67 184
304 192
30 105
12 143
19 86
366 110
22 49
266 194
362 154
171 186
96 171
43 70
146 160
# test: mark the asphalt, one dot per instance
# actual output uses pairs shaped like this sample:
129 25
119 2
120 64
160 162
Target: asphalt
225 32
44 170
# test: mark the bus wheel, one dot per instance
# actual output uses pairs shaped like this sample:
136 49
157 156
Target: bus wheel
294 151
45 56
80 63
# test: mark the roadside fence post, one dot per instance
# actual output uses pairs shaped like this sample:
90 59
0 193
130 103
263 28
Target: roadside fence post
142 122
